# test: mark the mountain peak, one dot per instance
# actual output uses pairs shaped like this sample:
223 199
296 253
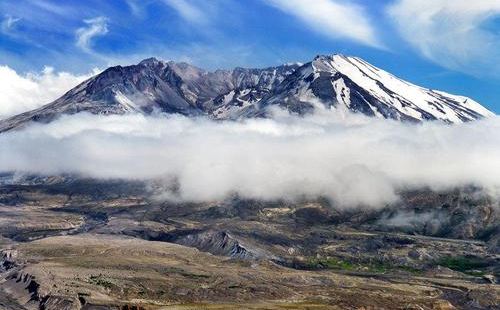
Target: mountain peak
152 61
333 80
331 57
332 63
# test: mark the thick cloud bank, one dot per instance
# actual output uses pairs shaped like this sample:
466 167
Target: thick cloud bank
20 93
348 158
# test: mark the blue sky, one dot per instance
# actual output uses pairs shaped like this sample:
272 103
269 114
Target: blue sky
448 45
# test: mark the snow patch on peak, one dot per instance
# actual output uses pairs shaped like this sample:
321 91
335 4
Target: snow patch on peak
468 103
343 92
128 104
407 98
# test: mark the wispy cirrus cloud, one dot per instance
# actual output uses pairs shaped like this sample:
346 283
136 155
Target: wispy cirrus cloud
333 18
135 7
97 26
8 23
188 11
454 34
56 8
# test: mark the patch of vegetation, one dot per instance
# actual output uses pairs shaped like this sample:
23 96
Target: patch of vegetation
194 275
101 281
378 267
182 272
327 263
462 263
475 273
410 269
314 263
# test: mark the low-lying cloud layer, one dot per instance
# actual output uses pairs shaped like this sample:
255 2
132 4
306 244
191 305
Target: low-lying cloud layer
350 159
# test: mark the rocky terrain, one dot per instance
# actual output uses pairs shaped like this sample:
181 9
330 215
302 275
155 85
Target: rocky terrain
85 244
69 242
155 86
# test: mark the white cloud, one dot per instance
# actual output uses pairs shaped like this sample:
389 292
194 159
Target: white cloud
187 10
20 93
135 7
336 19
350 159
8 23
452 33
95 27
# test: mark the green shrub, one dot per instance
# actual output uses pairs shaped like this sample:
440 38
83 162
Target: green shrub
462 263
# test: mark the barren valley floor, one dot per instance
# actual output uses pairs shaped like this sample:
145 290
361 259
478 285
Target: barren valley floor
86 244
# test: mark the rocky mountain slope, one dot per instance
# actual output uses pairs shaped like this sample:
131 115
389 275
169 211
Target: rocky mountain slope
361 87
154 86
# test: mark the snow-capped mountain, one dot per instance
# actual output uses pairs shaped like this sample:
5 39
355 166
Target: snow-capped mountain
361 87
168 87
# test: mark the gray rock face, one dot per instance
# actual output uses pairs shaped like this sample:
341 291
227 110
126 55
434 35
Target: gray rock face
155 86
222 243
